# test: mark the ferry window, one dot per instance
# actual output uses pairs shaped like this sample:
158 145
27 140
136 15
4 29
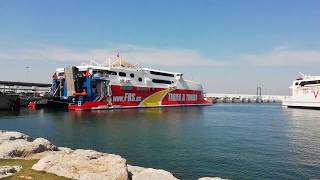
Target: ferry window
112 73
132 75
100 72
297 84
161 73
122 74
303 83
160 81
140 79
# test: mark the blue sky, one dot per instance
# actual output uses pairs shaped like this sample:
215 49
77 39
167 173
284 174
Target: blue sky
229 46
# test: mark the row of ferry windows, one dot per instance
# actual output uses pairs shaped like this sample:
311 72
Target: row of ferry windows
132 75
161 73
123 74
151 72
303 83
160 81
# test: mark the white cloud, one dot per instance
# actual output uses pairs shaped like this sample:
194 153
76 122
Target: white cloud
134 54
281 56
284 57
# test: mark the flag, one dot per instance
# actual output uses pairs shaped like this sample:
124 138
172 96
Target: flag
88 74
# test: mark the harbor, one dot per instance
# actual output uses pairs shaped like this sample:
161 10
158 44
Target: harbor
99 108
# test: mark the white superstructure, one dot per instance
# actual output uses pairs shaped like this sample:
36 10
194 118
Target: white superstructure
120 72
305 92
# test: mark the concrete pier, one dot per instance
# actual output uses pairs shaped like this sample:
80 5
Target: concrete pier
243 98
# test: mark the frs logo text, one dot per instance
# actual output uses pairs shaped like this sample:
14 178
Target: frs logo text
128 97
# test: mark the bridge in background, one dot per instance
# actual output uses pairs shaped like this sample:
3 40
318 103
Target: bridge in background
23 87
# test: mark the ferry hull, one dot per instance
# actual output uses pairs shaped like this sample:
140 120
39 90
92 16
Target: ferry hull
140 97
9 102
308 98
301 104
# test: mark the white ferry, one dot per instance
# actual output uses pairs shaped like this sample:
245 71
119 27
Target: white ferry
119 84
305 93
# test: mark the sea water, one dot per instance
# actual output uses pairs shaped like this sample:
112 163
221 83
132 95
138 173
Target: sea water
234 141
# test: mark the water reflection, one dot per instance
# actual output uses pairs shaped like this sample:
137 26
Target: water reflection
123 129
304 138
146 113
9 114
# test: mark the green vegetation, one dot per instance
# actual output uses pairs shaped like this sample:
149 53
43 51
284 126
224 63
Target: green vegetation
27 172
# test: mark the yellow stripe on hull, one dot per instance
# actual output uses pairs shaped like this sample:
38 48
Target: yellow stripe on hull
155 99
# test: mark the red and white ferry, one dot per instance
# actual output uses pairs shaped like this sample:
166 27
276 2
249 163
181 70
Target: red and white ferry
119 84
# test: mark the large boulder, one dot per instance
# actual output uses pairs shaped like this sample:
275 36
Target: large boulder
41 145
84 164
134 169
61 150
18 145
65 149
12 135
6 171
140 173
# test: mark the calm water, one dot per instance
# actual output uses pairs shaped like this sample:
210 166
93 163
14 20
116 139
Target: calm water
235 141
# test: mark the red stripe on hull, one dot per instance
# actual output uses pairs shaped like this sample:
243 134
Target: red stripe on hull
122 96
184 97
130 96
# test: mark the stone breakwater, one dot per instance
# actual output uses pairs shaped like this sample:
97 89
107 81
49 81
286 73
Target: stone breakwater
74 164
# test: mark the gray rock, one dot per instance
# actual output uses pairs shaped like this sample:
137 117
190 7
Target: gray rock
18 145
84 164
6 171
134 169
12 135
61 150
65 149
141 173
41 145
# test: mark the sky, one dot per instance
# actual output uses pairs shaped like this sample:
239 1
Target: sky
230 46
